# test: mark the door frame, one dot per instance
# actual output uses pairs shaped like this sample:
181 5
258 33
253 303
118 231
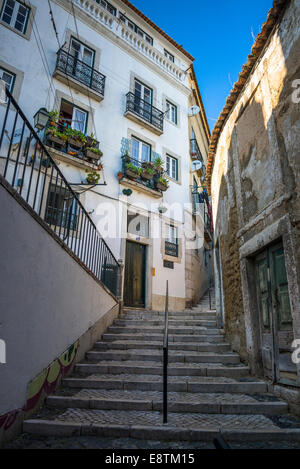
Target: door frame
280 230
144 273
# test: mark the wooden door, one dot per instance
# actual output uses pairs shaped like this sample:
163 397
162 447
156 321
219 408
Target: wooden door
275 315
135 264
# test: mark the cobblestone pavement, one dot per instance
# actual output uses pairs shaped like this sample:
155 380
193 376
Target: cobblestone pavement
26 441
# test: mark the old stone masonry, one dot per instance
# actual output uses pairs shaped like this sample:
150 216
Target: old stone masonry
117 391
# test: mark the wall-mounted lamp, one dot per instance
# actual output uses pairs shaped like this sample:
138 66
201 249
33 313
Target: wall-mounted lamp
41 118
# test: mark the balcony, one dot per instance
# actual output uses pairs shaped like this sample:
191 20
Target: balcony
82 77
140 111
195 150
208 227
142 176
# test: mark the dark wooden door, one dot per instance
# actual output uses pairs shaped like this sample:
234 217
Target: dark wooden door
275 315
134 282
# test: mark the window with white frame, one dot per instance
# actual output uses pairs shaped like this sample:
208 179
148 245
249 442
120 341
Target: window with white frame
171 240
8 78
140 150
172 167
171 112
131 25
15 14
108 6
169 56
72 116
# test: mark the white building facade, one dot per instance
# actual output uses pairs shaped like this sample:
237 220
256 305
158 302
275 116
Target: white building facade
111 74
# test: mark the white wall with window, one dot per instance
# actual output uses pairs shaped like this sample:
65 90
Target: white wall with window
15 14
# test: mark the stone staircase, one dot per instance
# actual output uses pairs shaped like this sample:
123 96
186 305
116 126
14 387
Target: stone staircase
117 391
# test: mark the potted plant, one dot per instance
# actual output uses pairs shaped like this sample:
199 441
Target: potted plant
53 135
75 138
53 118
159 164
120 175
133 171
91 142
93 153
162 184
127 157
148 172
92 177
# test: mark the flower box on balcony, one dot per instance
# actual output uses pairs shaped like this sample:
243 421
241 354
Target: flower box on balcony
93 153
133 171
75 143
162 184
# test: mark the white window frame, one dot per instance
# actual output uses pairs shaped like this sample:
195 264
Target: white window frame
135 28
171 112
172 167
13 18
13 78
140 151
169 55
74 122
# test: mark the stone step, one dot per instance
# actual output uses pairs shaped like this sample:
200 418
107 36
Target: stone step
177 402
157 356
160 322
155 368
143 345
143 382
194 331
187 314
214 339
161 317
148 425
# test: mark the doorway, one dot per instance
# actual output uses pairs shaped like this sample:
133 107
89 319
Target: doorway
276 323
135 275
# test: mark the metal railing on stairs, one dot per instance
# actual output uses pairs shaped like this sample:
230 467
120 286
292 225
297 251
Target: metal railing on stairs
29 168
166 358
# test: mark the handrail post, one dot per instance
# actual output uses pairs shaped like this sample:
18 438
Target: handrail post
166 359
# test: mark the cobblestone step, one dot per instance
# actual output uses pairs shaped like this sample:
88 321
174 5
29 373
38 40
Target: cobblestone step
155 368
145 329
174 356
177 402
178 338
143 345
148 425
143 382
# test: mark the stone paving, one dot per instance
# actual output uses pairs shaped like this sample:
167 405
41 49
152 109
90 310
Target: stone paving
121 396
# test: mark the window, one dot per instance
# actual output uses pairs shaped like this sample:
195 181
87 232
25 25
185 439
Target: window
172 167
137 224
107 6
82 52
15 14
171 240
169 56
171 112
140 151
8 78
62 208
131 25
72 116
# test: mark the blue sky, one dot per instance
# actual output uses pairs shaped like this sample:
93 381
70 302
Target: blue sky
219 34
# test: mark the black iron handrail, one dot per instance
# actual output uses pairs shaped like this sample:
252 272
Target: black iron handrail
166 358
32 171
145 110
80 71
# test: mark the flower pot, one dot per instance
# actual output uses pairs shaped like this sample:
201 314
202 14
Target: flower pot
75 143
92 155
131 174
161 187
147 176
55 139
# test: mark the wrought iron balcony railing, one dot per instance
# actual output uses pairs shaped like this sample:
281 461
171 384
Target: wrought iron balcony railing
195 150
140 174
145 110
171 249
81 72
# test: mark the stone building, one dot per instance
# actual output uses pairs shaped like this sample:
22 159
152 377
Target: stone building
254 178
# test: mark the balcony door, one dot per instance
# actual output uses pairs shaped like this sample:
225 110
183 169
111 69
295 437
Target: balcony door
140 151
72 116
143 100
83 62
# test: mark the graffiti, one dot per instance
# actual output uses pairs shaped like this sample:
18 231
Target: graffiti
43 385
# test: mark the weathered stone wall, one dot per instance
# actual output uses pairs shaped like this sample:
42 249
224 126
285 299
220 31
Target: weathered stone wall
256 179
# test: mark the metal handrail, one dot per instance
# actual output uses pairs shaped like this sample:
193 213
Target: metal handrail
165 358
145 110
35 185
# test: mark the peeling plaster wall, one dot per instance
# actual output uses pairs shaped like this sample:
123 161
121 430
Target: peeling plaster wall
256 178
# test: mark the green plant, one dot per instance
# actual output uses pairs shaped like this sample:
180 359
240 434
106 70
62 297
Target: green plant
164 181
76 134
54 116
134 169
92 177
61 135
159 164
96 151
149 170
